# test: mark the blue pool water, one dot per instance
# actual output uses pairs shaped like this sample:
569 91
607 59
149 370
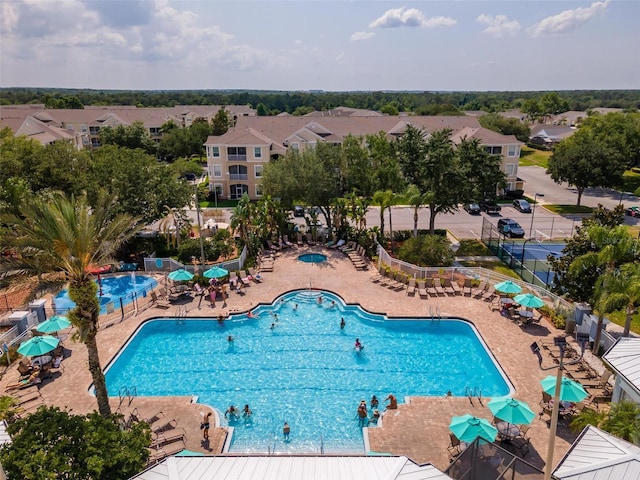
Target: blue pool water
304 371
112 289
312 258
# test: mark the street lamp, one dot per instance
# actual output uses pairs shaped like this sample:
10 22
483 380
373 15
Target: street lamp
533 211
199 226
561 343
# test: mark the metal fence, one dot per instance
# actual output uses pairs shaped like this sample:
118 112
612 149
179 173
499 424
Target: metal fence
482 274
166 265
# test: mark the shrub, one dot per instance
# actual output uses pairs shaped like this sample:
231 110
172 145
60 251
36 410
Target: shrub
427 250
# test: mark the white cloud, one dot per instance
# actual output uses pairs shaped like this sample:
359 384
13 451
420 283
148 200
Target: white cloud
569 20
409 17
361 36
498 26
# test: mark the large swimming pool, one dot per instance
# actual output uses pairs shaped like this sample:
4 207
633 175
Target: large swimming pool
304 370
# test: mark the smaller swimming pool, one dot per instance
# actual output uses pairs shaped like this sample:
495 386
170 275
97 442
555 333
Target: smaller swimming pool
112 290
312 258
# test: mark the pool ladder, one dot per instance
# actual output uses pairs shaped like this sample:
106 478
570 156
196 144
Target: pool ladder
434 314
181 315
470 392
127 393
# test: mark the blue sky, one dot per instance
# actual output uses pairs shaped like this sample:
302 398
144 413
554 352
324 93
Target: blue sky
323 45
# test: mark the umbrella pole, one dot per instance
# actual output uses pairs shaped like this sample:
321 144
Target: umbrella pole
554 423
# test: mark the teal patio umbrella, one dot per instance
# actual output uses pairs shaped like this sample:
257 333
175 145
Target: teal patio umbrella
570 390
508 287
511 410
467 428
37 346
180 275
528 300
215 272
54 324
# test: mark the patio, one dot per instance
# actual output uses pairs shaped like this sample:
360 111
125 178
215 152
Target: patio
417 429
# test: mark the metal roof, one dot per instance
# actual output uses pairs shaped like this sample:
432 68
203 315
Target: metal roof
283 467
624 358
599 455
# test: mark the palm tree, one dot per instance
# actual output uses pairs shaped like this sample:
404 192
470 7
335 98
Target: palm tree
620 289
383 200
416 199
241 218
60 238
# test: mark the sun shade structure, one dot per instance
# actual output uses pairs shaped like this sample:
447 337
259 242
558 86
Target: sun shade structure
180 275
467 428
570 390
508 287
528 300
54 324
511 410
215 272
37 346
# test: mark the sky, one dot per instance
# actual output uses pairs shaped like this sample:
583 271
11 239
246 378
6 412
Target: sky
332 45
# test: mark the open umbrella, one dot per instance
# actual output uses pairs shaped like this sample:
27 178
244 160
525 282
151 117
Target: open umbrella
570 390
37 346
467 428
216 272
508 287
180 275
54 324
511 410
529 300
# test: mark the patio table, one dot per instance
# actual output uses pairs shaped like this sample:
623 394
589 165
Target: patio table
525 313
508 430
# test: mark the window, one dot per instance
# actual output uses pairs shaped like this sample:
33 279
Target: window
494 150
513 151
83 128
257 152
85 140
258 190
510 169
217 171
236 154
215 151
258 171
295 145
69 127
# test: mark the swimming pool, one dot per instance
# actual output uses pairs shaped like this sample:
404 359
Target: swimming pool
110 290
305 370
312 258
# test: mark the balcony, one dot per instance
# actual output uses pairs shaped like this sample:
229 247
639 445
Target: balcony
237 157
238 176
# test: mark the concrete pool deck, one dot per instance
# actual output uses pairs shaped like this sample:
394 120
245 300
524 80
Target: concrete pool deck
418 429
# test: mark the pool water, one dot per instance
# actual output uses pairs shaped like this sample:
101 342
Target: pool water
305 370
110 290
312 258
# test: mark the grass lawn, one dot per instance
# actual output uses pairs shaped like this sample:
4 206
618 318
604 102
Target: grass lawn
530 156
631 181
221 204
469 248
619 318
567 209
496 266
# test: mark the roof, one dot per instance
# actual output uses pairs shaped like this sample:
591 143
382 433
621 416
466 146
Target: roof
486 137
283 467
4 436
598 455
624 358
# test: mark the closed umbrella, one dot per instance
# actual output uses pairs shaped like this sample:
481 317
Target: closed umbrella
508 287
511 410
216 272
37 346
467 428
570 390
54 324
529 300
180 275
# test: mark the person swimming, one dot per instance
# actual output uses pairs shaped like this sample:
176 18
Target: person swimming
246 411
342 323
233 412
358 346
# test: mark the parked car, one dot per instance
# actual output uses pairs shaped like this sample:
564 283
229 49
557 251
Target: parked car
510 228
190 177
298 211
633 211
472 208
490 206
522 206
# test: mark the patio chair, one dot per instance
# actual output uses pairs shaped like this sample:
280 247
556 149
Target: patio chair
422 290
299 240
467 285
454 445
255 277
603 381
432 288
447 287
272 247
170 425
489 293
478 291
411 288
310 240
376 278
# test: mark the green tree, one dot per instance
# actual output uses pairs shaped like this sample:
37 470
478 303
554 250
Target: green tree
199 131
384 200
621 131
427 251
389 109
262 110
506 126
132 136
584 161
620 289
532 108
221 122
53 444
622 420
417 200
359 175
482 171
59 239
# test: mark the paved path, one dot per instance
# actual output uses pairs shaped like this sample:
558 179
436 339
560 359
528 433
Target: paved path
417 429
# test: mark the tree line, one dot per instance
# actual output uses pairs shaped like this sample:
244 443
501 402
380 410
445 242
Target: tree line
274 102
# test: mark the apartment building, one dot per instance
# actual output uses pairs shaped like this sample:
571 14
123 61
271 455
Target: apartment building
236 159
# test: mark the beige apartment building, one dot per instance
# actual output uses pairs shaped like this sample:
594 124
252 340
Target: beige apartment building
236 159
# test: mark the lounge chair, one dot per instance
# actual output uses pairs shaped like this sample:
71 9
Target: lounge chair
246 281
454 445
338 244
602 382
411 288
157 302
478 291
272 247
467 285
432 288
198 289
422 290
299 240
156 455
254 277
285 240
489 293
33 379
170 425
378 276
310 240
447 287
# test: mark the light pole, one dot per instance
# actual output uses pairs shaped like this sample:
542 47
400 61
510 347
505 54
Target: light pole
199 226
533 211
561 343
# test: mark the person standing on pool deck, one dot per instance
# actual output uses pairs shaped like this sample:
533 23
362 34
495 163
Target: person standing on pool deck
205 426
286 430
